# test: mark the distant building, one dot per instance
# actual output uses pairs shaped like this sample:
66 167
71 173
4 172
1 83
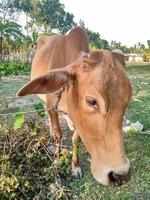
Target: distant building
133 57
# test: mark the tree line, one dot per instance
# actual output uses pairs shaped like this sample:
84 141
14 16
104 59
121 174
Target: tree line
48 17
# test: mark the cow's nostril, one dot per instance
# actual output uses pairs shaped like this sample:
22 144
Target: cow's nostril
118 179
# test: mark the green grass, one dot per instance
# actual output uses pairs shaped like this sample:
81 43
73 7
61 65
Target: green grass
29 170
138 149
140 79
8 89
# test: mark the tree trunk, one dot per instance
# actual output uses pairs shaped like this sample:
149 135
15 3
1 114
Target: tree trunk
1 46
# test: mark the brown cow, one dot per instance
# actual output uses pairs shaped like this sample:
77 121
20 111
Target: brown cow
94 91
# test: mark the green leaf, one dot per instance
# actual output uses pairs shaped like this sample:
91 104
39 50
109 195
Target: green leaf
1 195
132 132
19 120
39 106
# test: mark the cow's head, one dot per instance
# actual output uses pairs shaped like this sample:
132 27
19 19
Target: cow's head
98 92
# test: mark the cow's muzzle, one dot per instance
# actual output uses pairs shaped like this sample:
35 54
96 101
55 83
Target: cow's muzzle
118 179
115 175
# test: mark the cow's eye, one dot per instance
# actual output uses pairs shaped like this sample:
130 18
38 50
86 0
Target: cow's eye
91 101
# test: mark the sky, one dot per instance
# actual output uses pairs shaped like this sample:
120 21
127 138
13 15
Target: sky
127 21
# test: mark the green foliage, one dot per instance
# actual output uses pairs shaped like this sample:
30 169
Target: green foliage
117 45
132 132
49 13
8 28
11 32
29 169
138 48
19 119
146 55
33 125
7 68
8 184
34 37
52 15
148 43
39 106
95 41
22 5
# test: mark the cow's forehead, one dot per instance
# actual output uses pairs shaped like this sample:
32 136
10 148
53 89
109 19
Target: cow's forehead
107 71
108 77
104 58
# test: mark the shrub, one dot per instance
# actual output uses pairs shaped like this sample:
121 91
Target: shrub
7 68
28 168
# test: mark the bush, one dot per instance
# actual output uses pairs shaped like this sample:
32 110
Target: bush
7 68
28 168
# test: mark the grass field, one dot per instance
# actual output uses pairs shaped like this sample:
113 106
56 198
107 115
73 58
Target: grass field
29 170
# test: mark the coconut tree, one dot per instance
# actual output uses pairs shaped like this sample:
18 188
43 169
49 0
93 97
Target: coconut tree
10 31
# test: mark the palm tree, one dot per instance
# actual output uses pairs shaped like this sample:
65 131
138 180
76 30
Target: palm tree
10 31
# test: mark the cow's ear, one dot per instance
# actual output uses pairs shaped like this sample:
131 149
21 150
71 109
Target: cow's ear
120 56
47 83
